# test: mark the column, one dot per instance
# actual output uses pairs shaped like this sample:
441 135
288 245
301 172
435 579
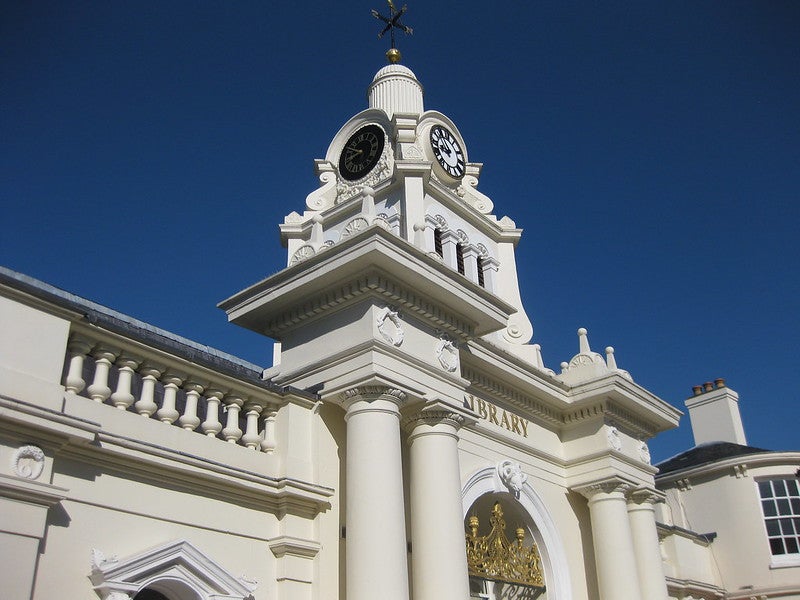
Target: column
617 578
375 517
438 555
641 513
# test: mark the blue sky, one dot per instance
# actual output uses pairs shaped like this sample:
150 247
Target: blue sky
650 151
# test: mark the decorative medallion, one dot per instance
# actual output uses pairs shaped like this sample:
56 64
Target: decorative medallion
28 462
614 440
390 326
512 476
447 353
644 452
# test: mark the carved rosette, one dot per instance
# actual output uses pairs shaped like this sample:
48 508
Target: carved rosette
28 462
390 326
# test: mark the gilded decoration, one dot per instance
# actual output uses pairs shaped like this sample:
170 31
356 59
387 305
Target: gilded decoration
496 558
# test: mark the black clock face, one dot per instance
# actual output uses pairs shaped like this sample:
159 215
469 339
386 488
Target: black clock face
361 152
448 151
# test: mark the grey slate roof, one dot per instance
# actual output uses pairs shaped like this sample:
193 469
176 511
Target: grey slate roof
705 454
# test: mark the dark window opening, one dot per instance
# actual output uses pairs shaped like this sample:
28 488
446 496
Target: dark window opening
460 258
437 242
481 281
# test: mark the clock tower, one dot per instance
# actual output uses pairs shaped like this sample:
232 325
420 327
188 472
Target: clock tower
400 309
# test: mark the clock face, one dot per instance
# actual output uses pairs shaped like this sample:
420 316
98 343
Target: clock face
448 151
361 152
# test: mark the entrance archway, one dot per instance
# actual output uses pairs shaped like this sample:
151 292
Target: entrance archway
526 508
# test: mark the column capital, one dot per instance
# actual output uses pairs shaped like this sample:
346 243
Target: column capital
612 485
435 413
371 393
645 495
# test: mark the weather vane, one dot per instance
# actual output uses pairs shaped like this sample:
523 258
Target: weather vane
392 23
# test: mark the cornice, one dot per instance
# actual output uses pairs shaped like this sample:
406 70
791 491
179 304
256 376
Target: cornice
496 389
32 492
199 475
373 263
550 401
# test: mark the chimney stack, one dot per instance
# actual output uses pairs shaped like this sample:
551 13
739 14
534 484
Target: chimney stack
714 413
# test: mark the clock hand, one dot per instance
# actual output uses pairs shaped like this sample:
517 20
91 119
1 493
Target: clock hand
353 152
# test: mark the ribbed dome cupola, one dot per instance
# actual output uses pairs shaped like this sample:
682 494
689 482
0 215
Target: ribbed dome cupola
395 89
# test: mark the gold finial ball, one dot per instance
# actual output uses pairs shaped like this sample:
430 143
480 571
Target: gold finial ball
393 54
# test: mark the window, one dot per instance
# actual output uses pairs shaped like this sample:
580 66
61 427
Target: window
780 501
481 281
460 258
437 241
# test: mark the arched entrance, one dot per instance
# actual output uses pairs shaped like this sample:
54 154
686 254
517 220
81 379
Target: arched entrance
522 507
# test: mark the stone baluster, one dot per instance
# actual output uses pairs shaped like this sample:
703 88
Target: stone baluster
122 397
251 437
78 349
168 413
377 561
614 554
189 419
211 426
104 357
146 405
641 512
438 562
268 441
233 404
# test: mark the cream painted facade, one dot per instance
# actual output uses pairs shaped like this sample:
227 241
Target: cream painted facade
405 399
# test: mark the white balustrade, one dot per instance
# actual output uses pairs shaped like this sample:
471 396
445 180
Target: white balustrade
131 375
